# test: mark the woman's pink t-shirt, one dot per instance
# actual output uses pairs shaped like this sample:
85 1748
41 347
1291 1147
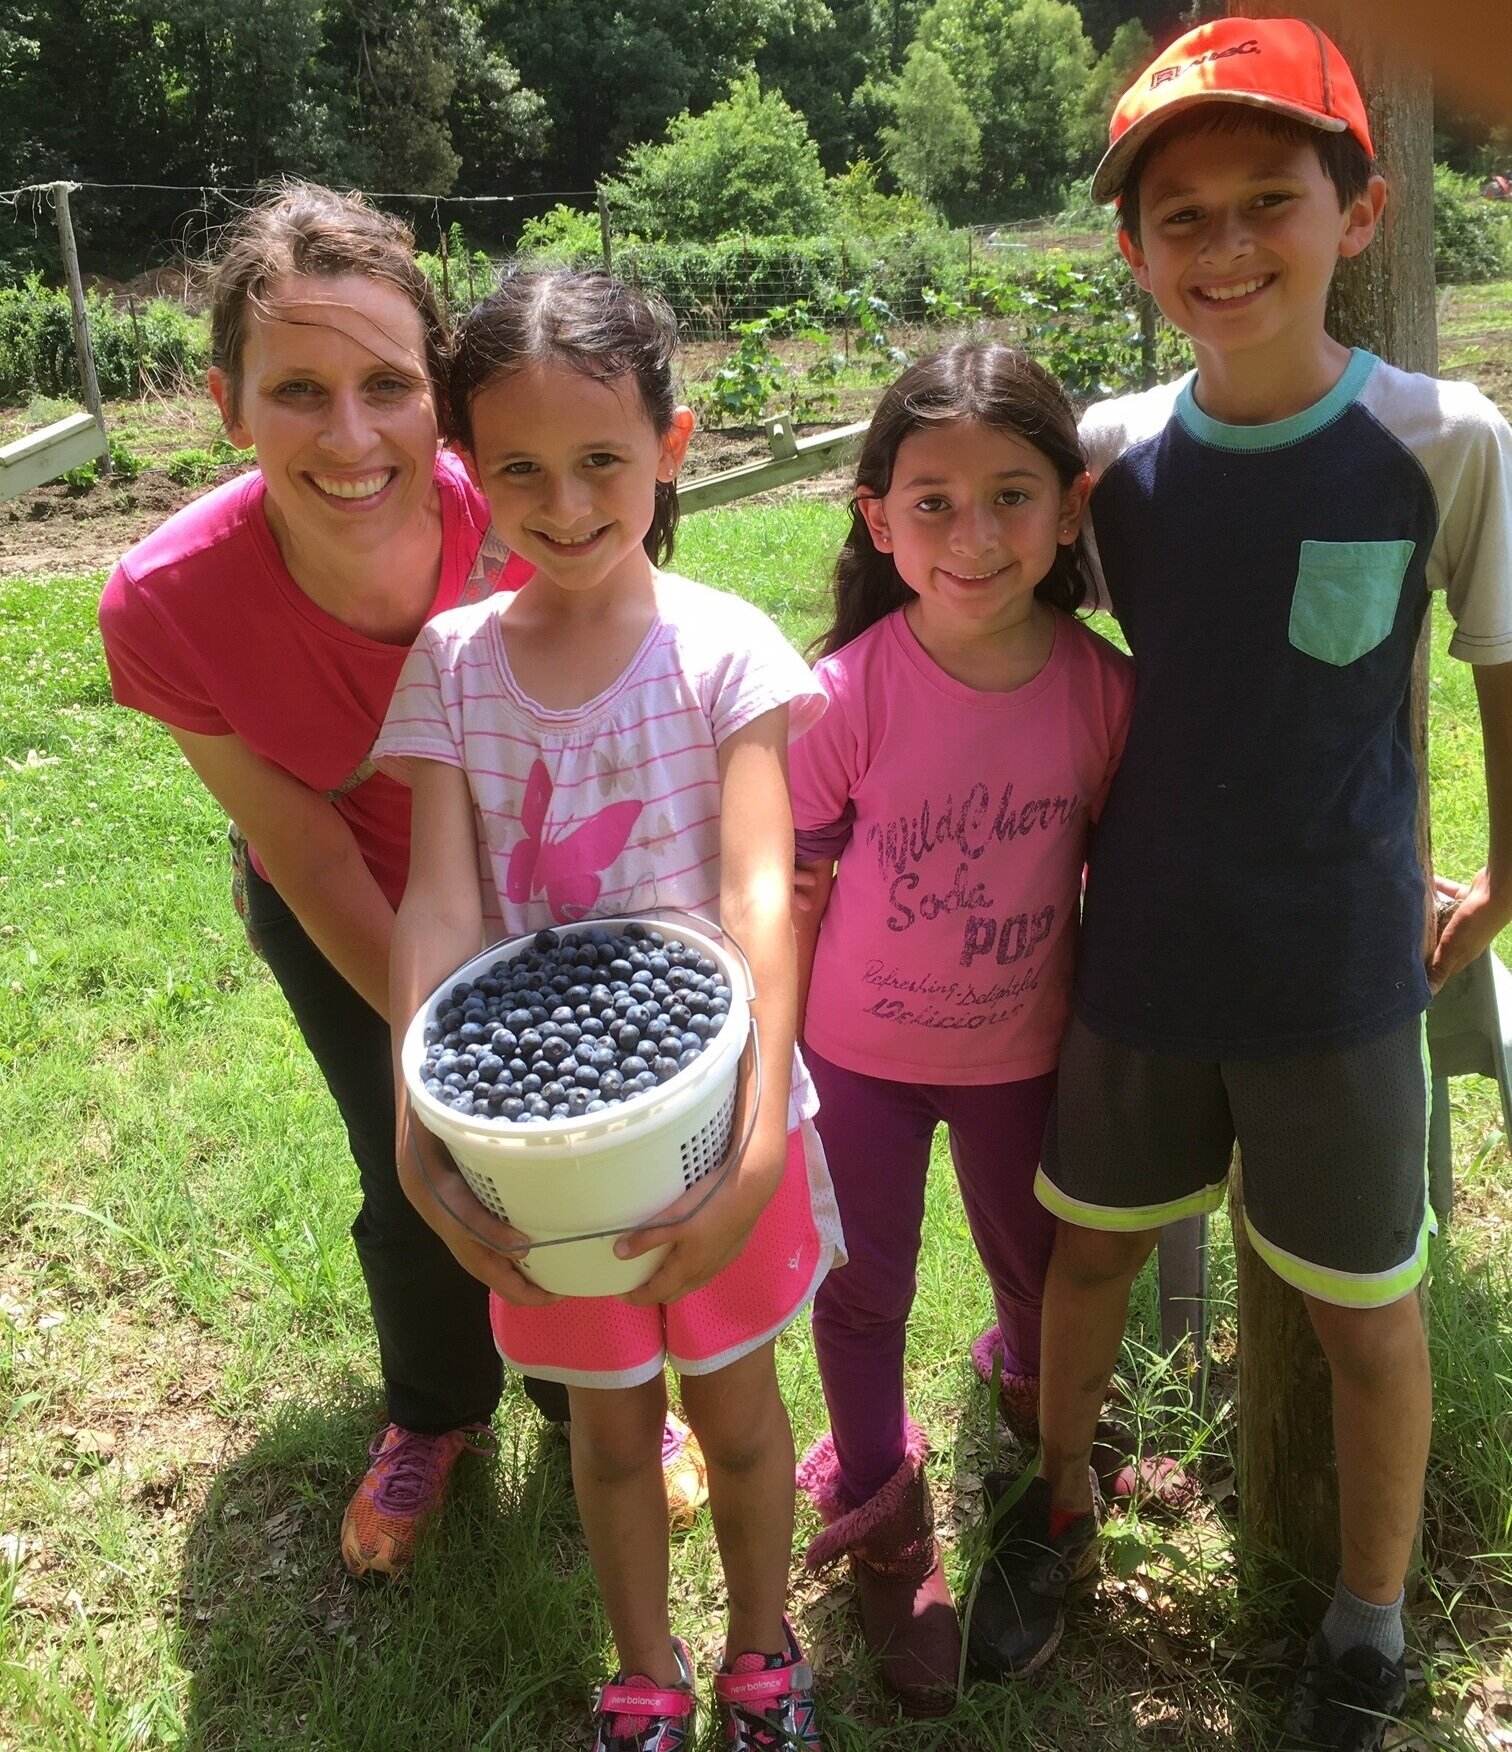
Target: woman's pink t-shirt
205 629
960 822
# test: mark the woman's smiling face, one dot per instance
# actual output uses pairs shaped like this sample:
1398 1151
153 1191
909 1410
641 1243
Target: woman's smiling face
334 396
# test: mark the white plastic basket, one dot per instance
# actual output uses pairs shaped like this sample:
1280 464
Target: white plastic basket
573 1185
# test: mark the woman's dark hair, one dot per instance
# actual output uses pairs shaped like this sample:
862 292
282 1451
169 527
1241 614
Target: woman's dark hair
1346 163
1001 387
589 322
302 228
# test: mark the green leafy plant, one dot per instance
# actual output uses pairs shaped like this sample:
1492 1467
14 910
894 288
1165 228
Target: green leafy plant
1472 237
196 467
125 464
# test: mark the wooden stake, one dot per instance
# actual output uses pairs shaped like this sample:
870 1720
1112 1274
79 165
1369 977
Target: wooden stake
83 350
604 244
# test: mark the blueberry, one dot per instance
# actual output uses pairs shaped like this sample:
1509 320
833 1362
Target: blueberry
536 1107
544 942
563 1012
530 1043
592 1027
530 1084
627 1036
633 1066
467 1061
489 1067
503 1042
679 1016
701 1028
657 1028
434 1086
688 1058
664 1067
433 1033
555 1050
517 1019
621 969
571 1033
446 1063
512 1108
577 1102
604 1058
517 1067
587 1077
454 1081
553 1093
690 1040
595 1107
610 1083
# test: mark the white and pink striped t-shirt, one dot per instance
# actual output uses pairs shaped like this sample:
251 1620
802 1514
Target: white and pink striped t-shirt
611 808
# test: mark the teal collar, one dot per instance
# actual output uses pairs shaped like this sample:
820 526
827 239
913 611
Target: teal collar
1278 433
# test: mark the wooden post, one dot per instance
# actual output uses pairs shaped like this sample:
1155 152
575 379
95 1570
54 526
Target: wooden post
1383 300
82 348
604 243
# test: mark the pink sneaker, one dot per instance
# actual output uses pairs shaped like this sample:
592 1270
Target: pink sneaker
766 1702
635 1715
401 1493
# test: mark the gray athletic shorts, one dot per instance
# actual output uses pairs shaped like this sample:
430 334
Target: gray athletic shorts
1335 1148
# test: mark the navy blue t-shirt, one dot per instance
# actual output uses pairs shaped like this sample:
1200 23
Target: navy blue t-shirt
1254 887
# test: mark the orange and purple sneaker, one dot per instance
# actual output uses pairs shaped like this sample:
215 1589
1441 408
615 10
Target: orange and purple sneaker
401 1493
637 1715
766 1702
686 1474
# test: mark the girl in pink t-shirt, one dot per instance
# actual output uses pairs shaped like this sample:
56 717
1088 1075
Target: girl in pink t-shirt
942 805
608 739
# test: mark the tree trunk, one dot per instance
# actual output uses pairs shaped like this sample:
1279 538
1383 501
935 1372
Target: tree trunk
1383 300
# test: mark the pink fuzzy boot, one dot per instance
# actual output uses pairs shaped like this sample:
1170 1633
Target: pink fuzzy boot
907 1615
1018 1393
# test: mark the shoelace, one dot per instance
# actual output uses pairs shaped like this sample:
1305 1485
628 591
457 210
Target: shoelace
414 1464
763 1733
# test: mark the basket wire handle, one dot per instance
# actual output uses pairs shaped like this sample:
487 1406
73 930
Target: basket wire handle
712 1181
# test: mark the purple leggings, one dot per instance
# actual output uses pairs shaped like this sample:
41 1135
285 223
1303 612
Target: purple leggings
876 1138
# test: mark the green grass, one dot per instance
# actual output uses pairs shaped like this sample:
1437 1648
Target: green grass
186 1373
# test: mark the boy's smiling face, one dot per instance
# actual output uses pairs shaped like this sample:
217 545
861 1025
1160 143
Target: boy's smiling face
1240 233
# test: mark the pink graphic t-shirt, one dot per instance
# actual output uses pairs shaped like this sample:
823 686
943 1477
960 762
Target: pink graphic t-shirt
611 808
960 822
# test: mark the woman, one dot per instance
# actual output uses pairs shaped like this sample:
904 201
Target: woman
265 625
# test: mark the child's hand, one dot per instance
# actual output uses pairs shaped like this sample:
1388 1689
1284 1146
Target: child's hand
1470 924
704 1244
437 1190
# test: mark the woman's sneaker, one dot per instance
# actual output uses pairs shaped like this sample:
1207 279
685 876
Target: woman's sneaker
686 1473
400 1495
636 1715
766 1702
1019 1612
1344 1703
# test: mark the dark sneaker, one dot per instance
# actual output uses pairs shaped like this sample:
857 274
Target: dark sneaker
1344 1703
1020 1607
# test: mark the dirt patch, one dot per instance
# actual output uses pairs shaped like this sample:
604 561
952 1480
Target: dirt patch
61 531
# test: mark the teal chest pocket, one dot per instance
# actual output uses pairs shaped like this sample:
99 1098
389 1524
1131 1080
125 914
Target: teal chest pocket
1346 596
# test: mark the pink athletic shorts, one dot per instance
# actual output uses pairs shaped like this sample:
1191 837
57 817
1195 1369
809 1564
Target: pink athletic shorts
600 1341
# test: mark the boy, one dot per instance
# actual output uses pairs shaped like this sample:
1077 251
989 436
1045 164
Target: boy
1252 959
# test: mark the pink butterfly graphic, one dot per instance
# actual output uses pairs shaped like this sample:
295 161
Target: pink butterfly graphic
566 869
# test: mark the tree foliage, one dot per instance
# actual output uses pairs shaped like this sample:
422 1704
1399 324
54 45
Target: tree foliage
746 164
1021 67
934 145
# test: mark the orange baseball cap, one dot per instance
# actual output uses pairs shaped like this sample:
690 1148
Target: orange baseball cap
1285 65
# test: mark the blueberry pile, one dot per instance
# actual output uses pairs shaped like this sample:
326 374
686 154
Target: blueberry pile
573 1025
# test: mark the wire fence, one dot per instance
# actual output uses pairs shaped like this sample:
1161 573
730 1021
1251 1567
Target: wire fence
807 316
